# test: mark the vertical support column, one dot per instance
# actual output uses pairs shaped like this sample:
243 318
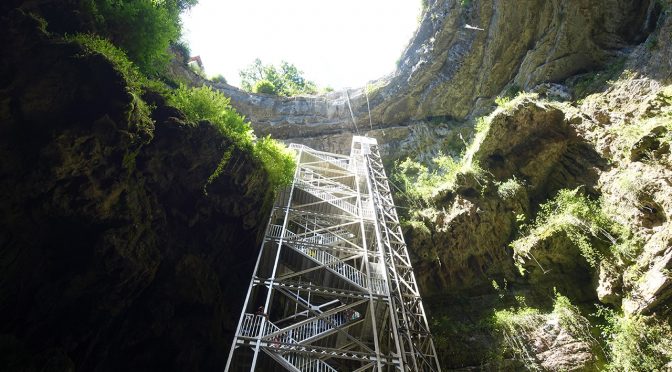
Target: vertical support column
412 329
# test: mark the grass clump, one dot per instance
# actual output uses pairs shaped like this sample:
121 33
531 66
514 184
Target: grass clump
635 342
583 221
507 102
206 104
219 78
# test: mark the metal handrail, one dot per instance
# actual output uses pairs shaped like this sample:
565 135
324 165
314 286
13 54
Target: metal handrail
305 246
251 327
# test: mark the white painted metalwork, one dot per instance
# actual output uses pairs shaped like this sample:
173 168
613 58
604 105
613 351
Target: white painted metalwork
333 288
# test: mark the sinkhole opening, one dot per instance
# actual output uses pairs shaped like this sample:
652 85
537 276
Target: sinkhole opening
329 44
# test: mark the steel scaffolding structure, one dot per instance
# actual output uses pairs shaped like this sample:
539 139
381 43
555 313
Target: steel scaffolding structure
333 288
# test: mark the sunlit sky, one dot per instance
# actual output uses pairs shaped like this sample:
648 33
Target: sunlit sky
337 43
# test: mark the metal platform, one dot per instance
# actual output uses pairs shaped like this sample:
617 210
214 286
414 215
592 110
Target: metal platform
333 288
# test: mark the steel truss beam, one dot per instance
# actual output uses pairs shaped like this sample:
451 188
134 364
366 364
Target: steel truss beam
333 288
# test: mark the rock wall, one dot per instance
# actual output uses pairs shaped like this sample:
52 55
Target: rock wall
614 146
463 55
117 253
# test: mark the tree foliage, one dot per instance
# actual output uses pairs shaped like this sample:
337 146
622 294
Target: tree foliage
264 86
144 29
286 79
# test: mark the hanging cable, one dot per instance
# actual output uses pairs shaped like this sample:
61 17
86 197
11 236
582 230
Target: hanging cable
352 115
368 106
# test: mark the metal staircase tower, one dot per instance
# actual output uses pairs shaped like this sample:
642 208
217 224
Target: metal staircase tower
333 288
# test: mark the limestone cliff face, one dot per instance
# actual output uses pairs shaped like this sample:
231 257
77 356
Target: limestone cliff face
117 253
463 55
614 145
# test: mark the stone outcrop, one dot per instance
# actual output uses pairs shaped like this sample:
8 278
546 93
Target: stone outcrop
118 253
534 143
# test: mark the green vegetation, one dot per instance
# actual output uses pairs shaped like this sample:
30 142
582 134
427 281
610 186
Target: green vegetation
197 69
512 326
516 328
509 188
597 80
635 342
502 101
183 49
285 79
507 102
659 114
96 44
204 103
134 79
265 87
446 330
135 39
372 89
219 78
422 183
144 29
584 222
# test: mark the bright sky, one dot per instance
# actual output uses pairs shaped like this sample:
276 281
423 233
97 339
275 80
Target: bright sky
337 43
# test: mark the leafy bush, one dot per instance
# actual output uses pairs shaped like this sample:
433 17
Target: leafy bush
422 183
264 86
502 101
207 104
581 219
219 78
286 78
509 188
184 50
636 343
278 160
204 103
143 28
